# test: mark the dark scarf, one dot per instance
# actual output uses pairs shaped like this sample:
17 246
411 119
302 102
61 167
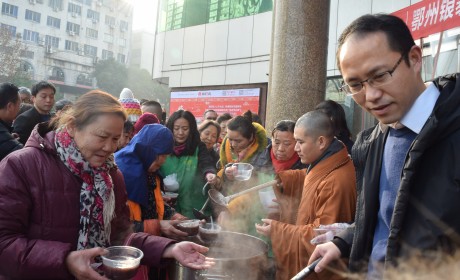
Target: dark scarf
333 148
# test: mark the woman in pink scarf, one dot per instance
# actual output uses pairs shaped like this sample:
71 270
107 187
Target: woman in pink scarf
63 199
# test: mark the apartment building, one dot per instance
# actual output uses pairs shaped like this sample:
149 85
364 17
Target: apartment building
65 38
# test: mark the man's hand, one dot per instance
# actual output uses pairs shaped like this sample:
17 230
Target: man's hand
167 229
266 228
189 254
328 251
79 263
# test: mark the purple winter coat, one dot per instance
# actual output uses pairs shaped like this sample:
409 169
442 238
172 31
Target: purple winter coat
39 213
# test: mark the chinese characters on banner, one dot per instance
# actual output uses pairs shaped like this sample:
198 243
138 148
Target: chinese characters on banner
234 101
430 16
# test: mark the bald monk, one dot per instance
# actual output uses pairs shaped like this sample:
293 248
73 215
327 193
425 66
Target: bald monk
326 190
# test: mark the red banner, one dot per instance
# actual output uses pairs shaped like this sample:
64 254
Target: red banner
235 102
430 16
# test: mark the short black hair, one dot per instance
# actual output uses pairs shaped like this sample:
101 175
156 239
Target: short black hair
42 85
8 93
24 90
153 103
224 117
59 105
284 125
128 126
395 29
206 123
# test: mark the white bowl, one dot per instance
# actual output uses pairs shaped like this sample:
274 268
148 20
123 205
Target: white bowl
170 195
174 187
266 198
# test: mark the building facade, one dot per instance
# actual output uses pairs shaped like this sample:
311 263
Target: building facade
227 45
142 49
65 38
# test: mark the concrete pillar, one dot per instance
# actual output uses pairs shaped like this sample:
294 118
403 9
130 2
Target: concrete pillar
298 58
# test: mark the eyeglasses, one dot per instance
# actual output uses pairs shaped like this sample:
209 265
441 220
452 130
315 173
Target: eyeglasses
377 80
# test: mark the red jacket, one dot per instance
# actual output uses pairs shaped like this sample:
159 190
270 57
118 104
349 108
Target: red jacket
39 213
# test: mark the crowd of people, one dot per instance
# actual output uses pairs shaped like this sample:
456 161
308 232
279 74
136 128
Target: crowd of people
91 173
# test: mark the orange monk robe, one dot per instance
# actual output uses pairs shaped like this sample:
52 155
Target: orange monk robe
328 196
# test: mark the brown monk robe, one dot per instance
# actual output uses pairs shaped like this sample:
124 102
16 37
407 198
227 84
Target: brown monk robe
328 196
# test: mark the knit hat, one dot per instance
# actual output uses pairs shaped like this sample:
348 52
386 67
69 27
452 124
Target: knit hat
146 118
131 105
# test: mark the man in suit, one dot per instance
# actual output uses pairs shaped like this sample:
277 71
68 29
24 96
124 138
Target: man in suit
9 106
43 98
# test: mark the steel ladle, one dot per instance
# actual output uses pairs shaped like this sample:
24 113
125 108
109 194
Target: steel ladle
199 214
220 201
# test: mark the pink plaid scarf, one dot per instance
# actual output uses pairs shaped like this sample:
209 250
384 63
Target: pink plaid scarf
97 199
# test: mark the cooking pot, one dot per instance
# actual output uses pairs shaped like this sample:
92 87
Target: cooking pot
237 256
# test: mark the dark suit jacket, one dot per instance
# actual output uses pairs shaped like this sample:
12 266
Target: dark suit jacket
7 142
25 123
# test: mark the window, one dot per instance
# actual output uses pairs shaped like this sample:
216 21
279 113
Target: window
108 38
9 10
74 9
53 22
71 45
73 28
91 33
107 54
52 41
33 16
90 50
26 68
84 79
55 4
9 28
57 74
88 2
122 42
174 14
110 20
121 58
93 15
123 25
30 35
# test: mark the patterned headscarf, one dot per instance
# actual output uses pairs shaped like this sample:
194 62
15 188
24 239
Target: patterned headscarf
97 199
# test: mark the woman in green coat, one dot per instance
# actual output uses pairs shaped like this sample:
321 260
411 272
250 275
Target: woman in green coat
191 162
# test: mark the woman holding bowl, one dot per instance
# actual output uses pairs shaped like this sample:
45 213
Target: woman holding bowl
190 161
63 199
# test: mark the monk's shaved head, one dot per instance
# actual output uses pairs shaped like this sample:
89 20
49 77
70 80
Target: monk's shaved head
316 124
